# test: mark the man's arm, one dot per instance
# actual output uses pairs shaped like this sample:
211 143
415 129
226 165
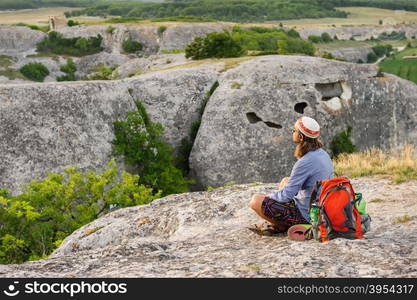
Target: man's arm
298 176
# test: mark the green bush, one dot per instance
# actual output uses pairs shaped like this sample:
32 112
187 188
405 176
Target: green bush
110 29
78 46
242 11
71 23
314 39
382 49
342 143
40 28
35 71
131 46
69 68
394 35
326 38
372 57
327 55
182 161
35 222
215 44
103 72
161 29
292 45
257 40
140 142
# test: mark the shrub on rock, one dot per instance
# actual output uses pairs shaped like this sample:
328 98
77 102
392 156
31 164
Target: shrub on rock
35 71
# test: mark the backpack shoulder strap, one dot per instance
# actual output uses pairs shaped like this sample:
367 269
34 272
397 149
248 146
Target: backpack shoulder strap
316 187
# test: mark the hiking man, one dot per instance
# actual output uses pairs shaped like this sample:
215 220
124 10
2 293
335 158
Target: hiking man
290 204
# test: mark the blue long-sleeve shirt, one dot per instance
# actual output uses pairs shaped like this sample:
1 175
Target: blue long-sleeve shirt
313 166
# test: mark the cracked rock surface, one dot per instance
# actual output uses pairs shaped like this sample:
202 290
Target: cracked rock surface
204 234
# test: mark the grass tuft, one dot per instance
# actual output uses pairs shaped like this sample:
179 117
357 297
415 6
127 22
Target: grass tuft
401 164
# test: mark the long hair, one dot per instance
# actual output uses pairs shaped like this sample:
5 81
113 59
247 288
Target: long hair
307 145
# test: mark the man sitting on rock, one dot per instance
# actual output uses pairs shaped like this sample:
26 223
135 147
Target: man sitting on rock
290 204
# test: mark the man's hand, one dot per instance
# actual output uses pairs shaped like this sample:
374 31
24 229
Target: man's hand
283 183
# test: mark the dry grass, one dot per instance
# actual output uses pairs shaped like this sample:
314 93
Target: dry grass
6 61
400 220
376 200
33 16
358 16
228 63
12 74
400 164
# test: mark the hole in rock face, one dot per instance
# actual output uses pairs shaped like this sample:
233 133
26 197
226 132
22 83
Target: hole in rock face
299 107
253 118
273 125
329 90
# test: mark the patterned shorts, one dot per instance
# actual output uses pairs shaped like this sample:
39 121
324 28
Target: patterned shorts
282 213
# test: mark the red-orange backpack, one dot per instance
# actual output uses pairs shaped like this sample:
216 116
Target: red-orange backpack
333 212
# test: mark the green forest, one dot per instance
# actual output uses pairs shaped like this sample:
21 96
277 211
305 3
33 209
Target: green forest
27 4
229 10
238 10
232 10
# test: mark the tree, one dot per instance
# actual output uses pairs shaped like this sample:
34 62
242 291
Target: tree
69 68
35 71
314 39
342 143
293 33
326 38
131 46
35 222
140 142
372 57
71 23
215 44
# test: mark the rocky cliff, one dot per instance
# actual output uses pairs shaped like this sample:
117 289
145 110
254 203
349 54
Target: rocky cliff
204 234
45 127
246 126
350 54
19 45
360 33
19 40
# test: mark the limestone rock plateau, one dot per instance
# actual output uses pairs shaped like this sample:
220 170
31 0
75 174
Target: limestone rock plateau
204 234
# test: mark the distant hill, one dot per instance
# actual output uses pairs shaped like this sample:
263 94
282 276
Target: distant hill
31 4
239 10
231 10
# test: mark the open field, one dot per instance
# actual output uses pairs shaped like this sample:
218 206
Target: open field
38 16
358 16
406 69
348 44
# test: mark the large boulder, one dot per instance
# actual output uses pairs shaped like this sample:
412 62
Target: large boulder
360 33
204 234
19 40
245 134
178 37
174 98
47 127
350 54
142 65
90 64
174 37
